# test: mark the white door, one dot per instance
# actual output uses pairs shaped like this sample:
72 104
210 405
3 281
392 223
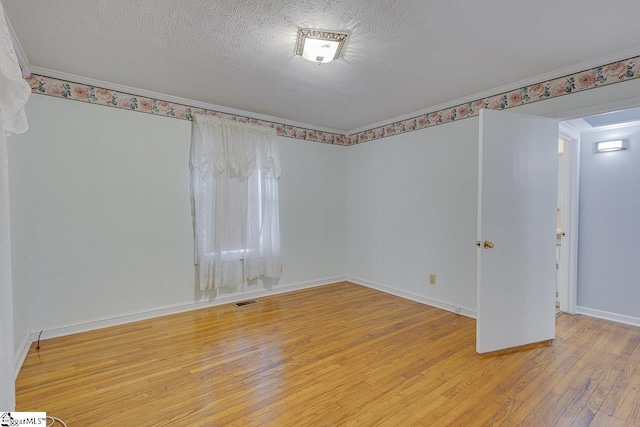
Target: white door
517 196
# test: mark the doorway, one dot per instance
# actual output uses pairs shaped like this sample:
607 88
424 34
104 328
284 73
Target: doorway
567 219
569 152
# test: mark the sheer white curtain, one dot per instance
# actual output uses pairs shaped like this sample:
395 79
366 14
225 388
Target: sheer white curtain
14 92
234 185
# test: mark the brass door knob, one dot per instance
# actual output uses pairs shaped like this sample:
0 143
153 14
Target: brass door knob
488 244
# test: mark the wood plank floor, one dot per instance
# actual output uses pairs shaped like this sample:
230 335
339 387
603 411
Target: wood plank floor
333 355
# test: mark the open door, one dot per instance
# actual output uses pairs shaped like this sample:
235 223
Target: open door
517 196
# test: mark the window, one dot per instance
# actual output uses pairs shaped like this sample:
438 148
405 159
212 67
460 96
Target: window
234 171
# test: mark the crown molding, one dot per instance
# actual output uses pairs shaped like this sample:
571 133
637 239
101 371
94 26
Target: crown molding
357 136
175 99
594 63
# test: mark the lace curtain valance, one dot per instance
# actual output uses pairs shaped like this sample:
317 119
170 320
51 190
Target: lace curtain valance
234 180
235 148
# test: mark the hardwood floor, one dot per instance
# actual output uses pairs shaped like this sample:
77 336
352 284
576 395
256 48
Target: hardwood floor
333 355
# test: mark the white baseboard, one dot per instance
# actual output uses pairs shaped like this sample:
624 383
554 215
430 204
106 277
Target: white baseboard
444 305
21 353
63 330
620 318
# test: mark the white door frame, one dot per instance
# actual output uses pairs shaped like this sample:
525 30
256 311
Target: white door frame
570 290
568 263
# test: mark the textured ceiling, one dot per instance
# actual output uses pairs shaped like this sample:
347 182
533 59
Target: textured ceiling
402 56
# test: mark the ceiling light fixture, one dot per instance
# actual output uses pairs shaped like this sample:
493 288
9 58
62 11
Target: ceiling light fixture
610 146
320 46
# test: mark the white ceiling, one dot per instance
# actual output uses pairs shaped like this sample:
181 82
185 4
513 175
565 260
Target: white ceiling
403 56
606 121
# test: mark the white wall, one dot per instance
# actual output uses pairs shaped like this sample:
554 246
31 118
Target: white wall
608 267
312 211
19 239
110 229
412 202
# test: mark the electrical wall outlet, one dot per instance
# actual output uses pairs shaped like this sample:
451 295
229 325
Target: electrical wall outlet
432 279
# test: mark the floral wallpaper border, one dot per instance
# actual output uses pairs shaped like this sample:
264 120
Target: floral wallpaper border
604 75
112 98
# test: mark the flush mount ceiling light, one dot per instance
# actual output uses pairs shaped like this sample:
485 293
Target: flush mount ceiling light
605 146
320 45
